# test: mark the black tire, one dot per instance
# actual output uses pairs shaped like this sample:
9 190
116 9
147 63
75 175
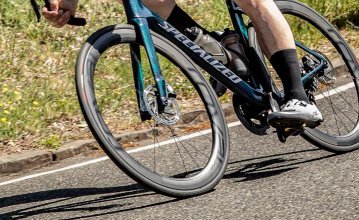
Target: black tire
338 102
197 176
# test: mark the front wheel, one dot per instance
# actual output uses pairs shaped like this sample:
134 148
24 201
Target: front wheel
180 152
334 90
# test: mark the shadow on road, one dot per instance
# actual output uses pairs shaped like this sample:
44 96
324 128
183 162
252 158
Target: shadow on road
267 166
96 202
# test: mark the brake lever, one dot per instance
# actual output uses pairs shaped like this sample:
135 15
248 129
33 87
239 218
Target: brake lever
36 9
73 20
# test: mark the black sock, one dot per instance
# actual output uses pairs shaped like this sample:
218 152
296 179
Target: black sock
286 64
181 20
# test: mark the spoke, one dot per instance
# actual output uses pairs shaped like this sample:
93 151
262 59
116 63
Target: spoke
195 129
330 98
132 132
330 101
332 105
186 150
154 147
344 99
326 128
136 128
196 149
179 138
155 140
178 149
334 113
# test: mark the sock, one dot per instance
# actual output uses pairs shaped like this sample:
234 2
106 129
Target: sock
181 20
286 64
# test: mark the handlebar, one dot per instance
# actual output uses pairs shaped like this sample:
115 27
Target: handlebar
73 20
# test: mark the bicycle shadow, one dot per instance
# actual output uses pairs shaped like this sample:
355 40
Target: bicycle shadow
58 201
114 200
268 166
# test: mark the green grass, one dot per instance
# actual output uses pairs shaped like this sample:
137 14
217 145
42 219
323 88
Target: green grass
339 12
38 103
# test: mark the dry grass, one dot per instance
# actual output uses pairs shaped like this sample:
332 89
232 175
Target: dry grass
38 104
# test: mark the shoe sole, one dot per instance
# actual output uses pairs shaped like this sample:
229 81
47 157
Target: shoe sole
292 122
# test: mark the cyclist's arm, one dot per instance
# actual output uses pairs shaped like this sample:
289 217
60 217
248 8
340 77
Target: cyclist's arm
62 9
60 12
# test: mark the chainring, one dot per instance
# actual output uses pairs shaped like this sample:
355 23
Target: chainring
254 119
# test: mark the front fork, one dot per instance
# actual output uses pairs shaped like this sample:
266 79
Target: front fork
141 26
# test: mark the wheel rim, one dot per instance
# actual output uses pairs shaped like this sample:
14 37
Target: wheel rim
338 102
195 172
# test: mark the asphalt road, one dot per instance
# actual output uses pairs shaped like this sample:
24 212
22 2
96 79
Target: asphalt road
264 180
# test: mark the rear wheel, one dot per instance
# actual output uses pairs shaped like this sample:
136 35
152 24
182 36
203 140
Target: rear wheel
181 152
335 90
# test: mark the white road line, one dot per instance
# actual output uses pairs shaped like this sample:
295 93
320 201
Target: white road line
190 136
54 171
197 134
335 91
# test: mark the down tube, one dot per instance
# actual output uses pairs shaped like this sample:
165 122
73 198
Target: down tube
208 63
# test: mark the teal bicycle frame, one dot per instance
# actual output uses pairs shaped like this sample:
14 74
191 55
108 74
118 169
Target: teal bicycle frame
145 20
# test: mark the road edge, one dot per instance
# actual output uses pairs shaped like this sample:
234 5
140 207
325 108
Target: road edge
30 160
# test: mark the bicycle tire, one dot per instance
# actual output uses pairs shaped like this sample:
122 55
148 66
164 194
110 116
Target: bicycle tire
174 185
339 142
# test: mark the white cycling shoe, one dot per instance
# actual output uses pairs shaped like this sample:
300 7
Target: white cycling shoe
296 113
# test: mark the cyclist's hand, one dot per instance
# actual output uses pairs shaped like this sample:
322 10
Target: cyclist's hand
60 12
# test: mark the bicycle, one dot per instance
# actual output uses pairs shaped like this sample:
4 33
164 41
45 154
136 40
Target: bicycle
175 106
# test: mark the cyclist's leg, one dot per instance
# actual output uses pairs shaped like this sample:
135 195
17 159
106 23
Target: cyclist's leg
170 11
278 44
276 37
162 7
270 24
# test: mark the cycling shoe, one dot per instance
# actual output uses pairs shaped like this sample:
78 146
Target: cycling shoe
296 114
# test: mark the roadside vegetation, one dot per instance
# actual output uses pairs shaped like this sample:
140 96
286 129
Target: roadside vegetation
38 103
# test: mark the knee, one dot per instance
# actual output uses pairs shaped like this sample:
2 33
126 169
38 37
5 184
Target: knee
253 5
159 3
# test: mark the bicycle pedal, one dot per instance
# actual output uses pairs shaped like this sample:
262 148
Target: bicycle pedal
314 125
284 132
293 131
291 125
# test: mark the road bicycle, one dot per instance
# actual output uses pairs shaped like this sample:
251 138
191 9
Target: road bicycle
162 123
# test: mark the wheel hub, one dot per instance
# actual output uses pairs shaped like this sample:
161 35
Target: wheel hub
170 115
327 76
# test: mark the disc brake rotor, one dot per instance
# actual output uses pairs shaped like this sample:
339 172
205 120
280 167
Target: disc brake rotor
170 114
328 78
